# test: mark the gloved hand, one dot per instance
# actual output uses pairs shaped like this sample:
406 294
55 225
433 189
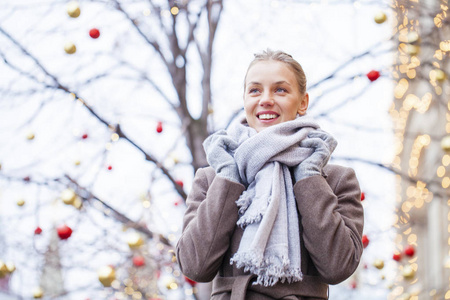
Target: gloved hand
219 148
323 144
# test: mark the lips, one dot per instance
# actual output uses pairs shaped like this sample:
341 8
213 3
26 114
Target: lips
267 115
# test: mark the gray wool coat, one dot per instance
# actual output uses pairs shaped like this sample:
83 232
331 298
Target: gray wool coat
331 226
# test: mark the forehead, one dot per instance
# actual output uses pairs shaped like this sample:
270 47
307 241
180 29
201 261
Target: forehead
270 70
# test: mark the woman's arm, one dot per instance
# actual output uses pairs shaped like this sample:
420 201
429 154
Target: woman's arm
209 223
332 223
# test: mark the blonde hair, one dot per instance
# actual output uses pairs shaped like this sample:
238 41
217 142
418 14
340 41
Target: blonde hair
281 56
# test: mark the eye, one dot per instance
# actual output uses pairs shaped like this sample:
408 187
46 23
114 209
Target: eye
253 91
280 90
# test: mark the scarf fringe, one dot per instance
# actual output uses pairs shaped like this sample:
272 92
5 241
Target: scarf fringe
243 203
268 270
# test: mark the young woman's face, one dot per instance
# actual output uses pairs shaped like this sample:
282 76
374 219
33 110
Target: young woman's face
272 95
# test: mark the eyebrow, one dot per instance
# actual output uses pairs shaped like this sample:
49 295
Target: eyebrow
258 83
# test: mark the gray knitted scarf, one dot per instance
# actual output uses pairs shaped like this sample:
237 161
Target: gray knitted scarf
270 245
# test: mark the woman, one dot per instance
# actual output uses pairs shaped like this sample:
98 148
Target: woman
270 219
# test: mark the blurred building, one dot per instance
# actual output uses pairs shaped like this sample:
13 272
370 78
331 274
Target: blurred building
422 127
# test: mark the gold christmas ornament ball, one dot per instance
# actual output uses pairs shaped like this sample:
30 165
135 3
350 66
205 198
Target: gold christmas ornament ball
445 143
412 49
68 196
38 293
70 48
134 240
379 264
171 284
30 136
73 9
10 267
408 272
77 162
3 269
78 203
106 275
380 17
20 202
440 75
412 37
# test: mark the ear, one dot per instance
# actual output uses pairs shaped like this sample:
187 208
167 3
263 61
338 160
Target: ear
303 105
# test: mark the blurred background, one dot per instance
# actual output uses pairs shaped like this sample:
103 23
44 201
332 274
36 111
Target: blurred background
104 105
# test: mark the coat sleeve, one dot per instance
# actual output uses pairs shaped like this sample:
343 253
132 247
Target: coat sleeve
208 225
332 224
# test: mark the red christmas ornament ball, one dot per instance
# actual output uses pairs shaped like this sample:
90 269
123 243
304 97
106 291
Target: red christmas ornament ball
84 136
138 261
159 127
179 182
373 75
94 33
365 241
409 251
38 230
363 196
397 256
109 168
64 232
190 281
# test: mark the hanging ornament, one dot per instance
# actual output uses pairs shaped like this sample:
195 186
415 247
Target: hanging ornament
380 17
373 75
445 143
409 251
412 49
397 256
190 281
171 284
27 179
38 230
408 272
20 202
10 267
68 196
30 136
84 136
109 168
94 33
64 232
363 196
77 162
353 284
440 75
3 269
78 203
379 264
73 9
138 261
412 37
70 48
134 240
106 275
365 241
180 183
159 127
38 293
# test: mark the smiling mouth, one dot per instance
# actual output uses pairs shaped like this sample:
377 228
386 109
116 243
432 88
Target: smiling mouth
268 116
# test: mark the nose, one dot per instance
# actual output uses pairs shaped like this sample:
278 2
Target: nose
266 99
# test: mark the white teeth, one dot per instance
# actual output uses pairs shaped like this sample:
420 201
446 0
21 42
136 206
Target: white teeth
267 116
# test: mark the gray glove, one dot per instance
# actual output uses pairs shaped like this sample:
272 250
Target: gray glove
323 144
219 148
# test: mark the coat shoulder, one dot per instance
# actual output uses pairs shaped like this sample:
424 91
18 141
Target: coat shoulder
208 173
